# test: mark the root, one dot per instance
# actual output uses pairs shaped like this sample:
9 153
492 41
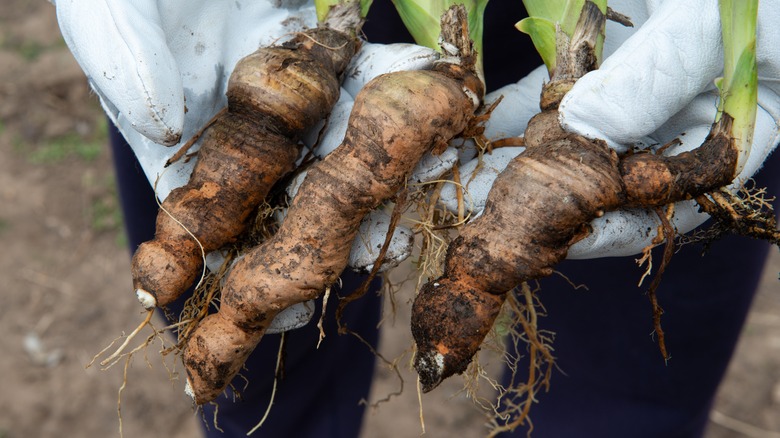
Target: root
435 222
118 352
435 239
273 389
320 326
388 290
265 223
119 395
666 233
206 295
419 401
647 252
215 418
191 142
512 405
459 194
749 212
507 142
392 365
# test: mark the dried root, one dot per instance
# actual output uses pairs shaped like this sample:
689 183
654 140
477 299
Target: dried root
528 355
748 212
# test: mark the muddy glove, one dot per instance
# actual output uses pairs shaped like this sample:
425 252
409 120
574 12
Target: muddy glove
655 85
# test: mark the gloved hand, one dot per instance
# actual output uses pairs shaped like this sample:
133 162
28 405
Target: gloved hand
151 62
655 85
161 69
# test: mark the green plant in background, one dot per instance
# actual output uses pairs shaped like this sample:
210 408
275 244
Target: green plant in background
30 50
27 49
103 212
71 145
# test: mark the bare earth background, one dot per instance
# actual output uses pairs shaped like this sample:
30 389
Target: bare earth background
66 289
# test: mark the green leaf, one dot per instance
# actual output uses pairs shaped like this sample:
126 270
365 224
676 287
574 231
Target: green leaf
542 33
365 5
421 20
564 12
544 16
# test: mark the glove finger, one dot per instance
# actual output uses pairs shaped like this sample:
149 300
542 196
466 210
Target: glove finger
520 102
673 57
122 49
329 133
206 48
370 238
431 167
477 177
376 59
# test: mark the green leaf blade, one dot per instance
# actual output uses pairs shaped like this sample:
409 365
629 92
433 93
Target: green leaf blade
542 33
739 85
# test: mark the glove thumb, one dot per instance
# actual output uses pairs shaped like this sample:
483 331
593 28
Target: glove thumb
672 58
122 49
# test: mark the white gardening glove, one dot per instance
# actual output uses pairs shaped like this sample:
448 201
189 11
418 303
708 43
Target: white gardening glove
655 85
160 69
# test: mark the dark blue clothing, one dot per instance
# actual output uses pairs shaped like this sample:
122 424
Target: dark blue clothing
615 384
613 381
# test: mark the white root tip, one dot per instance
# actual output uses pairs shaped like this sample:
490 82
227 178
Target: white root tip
188 390
147 300
430 368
